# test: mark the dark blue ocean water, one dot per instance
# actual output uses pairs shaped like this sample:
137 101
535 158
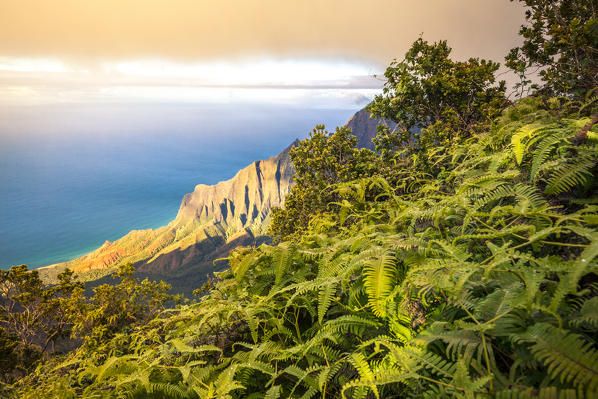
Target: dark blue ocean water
74 176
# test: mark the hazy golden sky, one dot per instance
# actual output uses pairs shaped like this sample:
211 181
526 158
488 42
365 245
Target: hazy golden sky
100 44
199 29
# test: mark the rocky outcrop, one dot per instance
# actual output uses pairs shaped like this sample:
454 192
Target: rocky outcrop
211 221
244 200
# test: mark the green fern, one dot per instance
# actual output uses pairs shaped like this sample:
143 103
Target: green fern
566 176
568 358
380 277
477 280
325 299
519 148
544 148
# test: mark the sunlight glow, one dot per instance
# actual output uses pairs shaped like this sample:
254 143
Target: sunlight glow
38 81
32 65
269 72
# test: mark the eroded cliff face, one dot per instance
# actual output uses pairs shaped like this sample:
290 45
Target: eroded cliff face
243 201
211 221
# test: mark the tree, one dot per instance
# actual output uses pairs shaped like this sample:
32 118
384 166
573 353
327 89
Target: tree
32 317
38 319
115 307
561 40
321 161
427 90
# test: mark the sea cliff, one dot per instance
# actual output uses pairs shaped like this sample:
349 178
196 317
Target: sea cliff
211 221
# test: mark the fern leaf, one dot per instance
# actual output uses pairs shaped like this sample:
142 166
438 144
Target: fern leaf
226 383
569 175
569 281
516 140
283 257
541 393
182 347
544 149
366 375
240 268
379 278
273 392
588 314
325 299
167 390
567 357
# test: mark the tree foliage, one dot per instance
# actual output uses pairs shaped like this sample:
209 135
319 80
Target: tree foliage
320 161
39 320
114 307
428 90
560 40
32 317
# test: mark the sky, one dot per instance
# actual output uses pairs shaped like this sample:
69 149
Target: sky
327 52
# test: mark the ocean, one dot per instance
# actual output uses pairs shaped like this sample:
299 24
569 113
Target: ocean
73 175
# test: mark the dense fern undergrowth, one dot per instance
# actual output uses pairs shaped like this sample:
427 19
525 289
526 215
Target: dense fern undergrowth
479 281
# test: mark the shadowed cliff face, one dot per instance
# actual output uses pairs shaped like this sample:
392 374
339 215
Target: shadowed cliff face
244 200
212 220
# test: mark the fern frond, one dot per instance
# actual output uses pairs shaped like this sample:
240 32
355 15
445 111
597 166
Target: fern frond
569 175
366 375
273 392
167 390
379 279
517 144
587 315
544 149
567 357
325 299
540 393
282 258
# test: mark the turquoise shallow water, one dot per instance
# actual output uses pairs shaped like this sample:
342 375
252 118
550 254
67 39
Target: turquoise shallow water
74 176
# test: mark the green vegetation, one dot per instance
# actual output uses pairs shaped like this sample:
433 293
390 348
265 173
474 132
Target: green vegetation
561 43
480 281
39 321
32 319
114 307
320 162
427 90
459 262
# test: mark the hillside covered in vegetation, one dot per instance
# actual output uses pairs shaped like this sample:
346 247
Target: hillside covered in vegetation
458 261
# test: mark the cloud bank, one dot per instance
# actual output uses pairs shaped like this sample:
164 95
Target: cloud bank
314 51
